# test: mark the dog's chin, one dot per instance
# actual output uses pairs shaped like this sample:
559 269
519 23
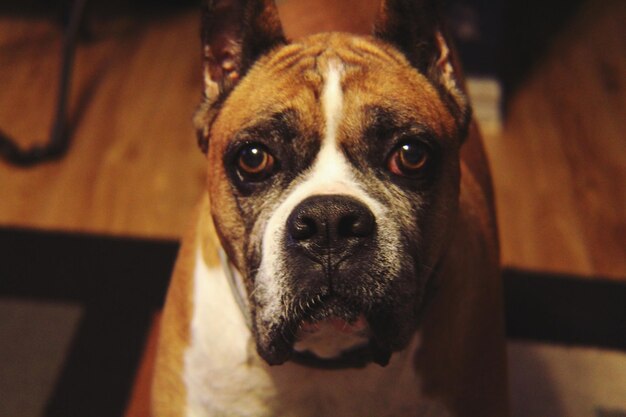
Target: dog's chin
329 344
329 337
337 343
346 326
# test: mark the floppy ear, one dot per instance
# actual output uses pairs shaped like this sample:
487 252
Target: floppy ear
235 33
415 27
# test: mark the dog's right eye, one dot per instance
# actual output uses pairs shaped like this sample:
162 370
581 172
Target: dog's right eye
254 162
410 159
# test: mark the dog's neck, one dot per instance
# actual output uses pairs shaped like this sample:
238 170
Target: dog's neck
237 287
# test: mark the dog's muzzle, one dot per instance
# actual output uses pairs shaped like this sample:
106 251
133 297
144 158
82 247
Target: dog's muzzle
329 241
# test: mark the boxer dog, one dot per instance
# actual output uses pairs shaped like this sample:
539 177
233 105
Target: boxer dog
344 259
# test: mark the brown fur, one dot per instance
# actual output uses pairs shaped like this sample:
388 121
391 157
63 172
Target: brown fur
463 353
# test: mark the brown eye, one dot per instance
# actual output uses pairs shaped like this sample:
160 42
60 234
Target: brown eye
409 159
254 162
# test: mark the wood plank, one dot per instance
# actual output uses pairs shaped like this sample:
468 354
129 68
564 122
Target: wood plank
560 164
134 167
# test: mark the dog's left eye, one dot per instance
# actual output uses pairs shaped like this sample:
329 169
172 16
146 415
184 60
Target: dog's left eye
254 162
409 159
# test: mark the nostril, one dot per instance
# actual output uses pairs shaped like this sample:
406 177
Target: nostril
356 225
302 228
345 227
363 226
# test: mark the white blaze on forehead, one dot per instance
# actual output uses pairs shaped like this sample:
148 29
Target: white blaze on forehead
331 168
331 172
332 100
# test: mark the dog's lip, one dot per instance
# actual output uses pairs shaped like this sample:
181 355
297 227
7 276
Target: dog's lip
357 357
332 338
364 349
283 348
359 325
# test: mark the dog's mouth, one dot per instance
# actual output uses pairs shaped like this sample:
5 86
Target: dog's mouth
329 335
335 343
328 338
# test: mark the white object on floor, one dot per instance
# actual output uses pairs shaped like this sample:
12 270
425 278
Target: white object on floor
558 381
485 94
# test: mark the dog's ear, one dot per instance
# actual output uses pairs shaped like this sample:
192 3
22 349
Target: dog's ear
235 33
415 27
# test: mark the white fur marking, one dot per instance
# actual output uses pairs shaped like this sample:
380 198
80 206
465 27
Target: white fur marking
218 355
332 101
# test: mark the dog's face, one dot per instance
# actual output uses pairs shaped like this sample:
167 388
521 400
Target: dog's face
333 178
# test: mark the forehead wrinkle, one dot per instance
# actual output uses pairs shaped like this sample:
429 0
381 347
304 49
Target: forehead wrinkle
409 110
363 51
285 57
299 60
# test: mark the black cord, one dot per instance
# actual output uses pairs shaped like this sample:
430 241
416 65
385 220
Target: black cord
59 134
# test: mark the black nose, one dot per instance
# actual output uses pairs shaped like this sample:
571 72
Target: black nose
330 222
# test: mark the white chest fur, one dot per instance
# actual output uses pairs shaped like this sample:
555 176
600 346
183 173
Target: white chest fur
225 377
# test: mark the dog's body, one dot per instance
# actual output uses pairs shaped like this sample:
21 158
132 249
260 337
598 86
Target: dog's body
345 229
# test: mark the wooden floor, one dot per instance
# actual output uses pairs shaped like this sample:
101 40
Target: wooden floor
559 164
